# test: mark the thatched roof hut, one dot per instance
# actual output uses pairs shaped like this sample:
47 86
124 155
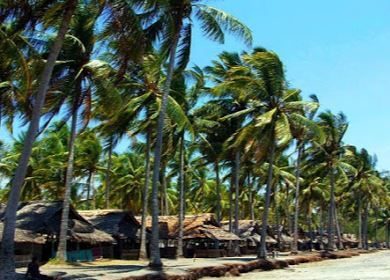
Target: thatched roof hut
25 236
350 238
209 232
169 225
118 223
250 231
45 218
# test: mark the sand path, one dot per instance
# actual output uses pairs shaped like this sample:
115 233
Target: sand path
364 267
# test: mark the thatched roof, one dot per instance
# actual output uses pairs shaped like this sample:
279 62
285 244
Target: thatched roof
25 236
350 238
194 226
120 224
45 218
250 230
169 225
209 232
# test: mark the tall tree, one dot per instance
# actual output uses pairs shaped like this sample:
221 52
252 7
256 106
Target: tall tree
302 135
176 19
329 153
272 111
7 266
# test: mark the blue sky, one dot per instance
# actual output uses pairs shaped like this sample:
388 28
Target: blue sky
338 50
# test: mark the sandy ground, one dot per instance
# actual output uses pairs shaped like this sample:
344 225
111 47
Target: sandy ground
364 267
117 269
374 266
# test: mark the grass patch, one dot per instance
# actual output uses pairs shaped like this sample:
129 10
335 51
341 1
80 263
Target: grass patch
56 261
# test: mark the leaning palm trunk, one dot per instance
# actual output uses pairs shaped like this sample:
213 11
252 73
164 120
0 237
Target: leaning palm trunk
62 244
181 199
331 211
262 252
143 250
108 174
297 186
155 260
7 263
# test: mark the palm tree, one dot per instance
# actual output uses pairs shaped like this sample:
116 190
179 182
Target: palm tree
88 151
15 74
77 85
262 78
7 267
175 18
364 185
218 72
302 135
329 154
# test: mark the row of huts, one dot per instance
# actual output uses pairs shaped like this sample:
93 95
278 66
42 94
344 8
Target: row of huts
116 234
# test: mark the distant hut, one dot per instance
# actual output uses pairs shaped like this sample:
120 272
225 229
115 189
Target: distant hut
202 235
250 234
44 218
350 240
27 244
122 226
206 240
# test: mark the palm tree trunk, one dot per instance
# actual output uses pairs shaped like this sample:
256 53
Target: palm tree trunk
297 186
331 211
231 202
7 263
237 192
143 248
309 226
376 227
89 188
108 173
287 210
388 234
218 190
236 201
155 260
251 206
365 227
179 253
262 253
277 221
321 227
360 244
341 246
164 190
62 244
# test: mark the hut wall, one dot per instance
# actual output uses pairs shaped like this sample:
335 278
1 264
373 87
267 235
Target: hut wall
24 253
